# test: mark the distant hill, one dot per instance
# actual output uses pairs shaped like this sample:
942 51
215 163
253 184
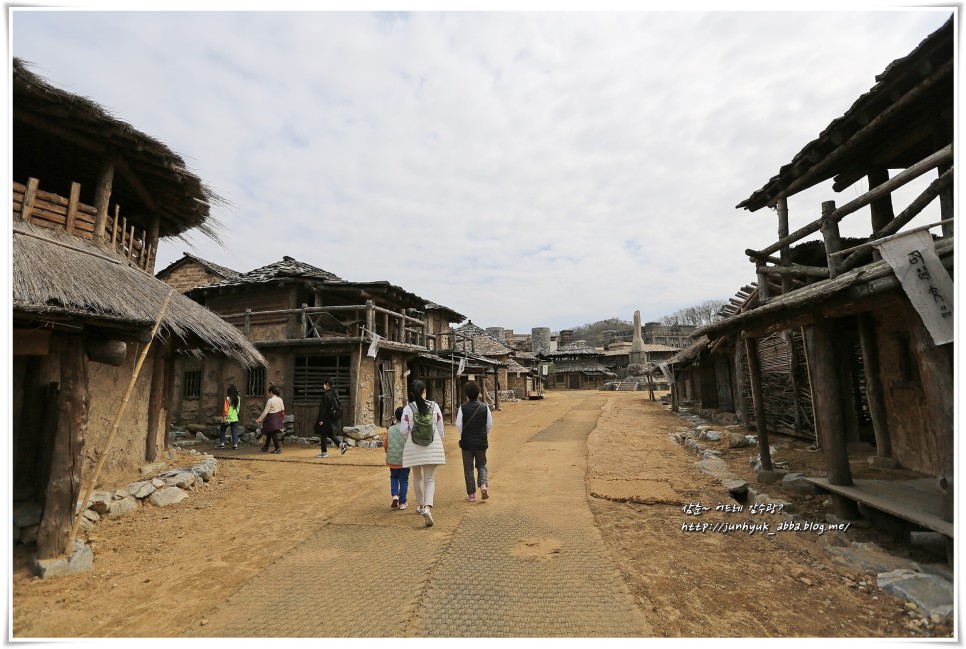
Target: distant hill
600 333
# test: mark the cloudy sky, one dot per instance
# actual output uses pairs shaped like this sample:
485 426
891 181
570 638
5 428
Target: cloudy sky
525 168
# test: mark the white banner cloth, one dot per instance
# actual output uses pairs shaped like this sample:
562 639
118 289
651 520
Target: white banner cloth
927 284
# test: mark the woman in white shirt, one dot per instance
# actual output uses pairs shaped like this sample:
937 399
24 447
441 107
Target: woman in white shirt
273 417
422 459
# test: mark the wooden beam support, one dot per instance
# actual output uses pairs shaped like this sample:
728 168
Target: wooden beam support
758 397
63 487
873 386
102 194
830 233
827 395
29 199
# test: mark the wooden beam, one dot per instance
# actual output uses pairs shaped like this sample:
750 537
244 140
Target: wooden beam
873 386
63 487
754 376
830 233
102 194
72 207
29 199
827 394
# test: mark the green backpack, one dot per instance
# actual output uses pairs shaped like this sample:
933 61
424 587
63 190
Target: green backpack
423 428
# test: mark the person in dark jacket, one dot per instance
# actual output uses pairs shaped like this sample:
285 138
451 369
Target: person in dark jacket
474 421
330 419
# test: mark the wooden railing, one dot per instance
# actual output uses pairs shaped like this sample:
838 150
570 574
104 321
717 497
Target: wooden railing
33 205
839 260
346 322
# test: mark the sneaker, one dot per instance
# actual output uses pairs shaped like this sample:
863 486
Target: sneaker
395 502
278 450
264 449
219 446
428 515
234 447
343 447
471 497
483 492
322 455
403 505
420 509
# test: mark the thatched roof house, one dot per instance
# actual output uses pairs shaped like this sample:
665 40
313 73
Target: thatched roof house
95 335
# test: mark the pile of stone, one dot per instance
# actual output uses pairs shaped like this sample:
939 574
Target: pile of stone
364 436
159 488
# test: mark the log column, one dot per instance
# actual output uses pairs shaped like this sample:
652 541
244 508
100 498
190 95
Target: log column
833 241
785 253
754 374
873 387
881 209
156 437
63 488
102 195
829 421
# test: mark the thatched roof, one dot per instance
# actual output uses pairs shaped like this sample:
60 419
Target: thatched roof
57 277
60 138
691 353
924 77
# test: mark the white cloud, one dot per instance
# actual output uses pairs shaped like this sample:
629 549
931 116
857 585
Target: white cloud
559 167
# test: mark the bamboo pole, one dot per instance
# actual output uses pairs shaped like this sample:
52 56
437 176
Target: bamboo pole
117 421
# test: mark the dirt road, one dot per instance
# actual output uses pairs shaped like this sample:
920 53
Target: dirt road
581 537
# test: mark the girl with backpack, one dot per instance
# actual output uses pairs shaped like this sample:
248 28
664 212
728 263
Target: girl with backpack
422 428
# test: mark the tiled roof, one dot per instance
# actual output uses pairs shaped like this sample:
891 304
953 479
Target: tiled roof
577 348
288 267
478 340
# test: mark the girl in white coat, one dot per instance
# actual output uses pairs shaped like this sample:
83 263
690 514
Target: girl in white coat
423 459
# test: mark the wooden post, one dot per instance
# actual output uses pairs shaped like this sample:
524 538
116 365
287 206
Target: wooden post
763 291
833 241
151 239
827 395
370 317
130 244
248 321
117 211
157 404
675 403
741 407
102 195
793 374
54 535
72 207
305 321
873 387
785 253
936 374
650 386
881 210
29 198
117 422
754 374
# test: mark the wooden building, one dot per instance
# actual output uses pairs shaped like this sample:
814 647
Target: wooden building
370 338
95 335
577 366
876 317
191 271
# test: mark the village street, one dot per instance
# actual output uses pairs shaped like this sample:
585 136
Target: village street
581 537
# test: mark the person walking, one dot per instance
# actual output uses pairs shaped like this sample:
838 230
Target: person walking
330 419
230 418
398 476
423 460
474 427
272 419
